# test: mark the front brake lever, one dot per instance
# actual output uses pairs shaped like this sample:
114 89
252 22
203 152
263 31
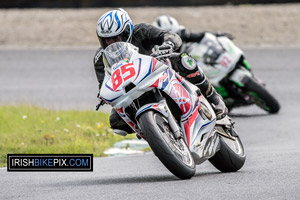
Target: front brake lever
101 102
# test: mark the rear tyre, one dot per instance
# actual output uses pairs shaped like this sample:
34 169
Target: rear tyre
262 97
231 156
173 153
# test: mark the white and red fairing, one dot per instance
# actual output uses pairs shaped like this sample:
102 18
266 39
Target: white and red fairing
146 73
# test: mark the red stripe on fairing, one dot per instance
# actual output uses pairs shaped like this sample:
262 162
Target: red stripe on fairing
155 84
131 124
156 107
189 123
140 62
111 88
187 133
120 110
154 61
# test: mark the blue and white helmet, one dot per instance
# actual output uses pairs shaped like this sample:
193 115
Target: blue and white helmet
167 23
115 24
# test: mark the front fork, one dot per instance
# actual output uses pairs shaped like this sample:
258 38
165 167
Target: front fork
162 108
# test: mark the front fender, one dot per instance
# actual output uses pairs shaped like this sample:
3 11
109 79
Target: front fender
163 109
158 107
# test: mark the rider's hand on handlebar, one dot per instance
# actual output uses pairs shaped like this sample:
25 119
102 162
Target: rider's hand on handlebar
164 50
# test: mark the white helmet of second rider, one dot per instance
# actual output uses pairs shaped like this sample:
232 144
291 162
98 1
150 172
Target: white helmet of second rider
167 23
114 25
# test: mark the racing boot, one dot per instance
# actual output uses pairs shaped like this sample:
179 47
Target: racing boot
118 125
218 104
212 96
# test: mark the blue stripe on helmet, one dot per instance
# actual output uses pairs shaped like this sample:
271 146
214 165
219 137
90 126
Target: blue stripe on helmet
104 16
118 21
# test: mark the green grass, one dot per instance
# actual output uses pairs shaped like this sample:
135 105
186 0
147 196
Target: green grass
34 130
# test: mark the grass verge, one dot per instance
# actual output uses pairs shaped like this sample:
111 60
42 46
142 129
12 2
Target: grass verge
28 130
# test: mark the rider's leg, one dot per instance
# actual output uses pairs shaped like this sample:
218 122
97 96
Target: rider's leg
118 125
187 67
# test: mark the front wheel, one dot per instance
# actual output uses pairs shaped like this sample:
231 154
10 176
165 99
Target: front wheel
262 97
231 156
173 153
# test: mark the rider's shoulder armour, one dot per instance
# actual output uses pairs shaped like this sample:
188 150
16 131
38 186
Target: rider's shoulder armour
188 62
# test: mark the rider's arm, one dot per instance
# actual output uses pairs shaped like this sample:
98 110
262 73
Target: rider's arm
188 36
174 38
150 35
99 66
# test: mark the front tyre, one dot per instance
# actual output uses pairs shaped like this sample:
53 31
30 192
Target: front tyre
261 97
173 153
231 156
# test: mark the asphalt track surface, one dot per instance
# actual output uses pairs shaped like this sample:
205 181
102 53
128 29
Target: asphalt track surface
64 79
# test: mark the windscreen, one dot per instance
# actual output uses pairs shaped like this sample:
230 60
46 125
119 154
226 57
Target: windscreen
117 52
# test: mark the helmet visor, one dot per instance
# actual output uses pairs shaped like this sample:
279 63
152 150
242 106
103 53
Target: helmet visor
106 41
125 36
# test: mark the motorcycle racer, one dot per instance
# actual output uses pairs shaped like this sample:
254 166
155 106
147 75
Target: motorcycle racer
169 23
220 59
116 26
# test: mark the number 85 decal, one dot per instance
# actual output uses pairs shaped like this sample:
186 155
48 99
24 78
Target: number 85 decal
119 76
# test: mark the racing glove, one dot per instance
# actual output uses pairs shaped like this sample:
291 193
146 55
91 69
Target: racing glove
164 50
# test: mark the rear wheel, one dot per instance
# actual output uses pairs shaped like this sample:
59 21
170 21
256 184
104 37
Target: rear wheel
262 97
231 156
173 153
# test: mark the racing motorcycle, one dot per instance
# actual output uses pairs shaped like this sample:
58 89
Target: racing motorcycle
168 112
225 66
